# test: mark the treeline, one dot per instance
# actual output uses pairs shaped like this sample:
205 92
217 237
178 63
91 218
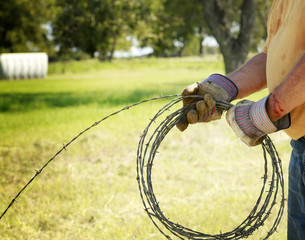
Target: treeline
96 28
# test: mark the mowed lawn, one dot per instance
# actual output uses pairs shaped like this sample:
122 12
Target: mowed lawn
204 178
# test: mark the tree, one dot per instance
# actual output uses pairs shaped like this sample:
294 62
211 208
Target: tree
191 23
169 25
231 22
153 28
21 25
91 26
260 32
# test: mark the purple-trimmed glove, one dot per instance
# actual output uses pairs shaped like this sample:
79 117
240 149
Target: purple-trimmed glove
214 87
251 123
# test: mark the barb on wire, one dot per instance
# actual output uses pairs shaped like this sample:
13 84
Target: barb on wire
272 189
273 185
65 146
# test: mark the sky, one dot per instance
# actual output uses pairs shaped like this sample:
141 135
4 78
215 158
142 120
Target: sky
136 51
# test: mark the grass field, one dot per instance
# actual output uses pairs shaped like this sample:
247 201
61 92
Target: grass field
204 178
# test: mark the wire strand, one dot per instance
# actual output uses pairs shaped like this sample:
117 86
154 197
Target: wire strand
146 153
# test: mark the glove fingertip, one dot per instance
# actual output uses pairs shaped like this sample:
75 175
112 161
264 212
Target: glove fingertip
209 101
182 124
201 106
181 127
192 116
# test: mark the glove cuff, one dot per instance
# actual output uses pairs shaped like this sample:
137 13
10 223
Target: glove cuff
225 83
262 121
240 121
260 117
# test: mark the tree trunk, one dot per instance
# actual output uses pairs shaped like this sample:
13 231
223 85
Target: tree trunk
201 38
200 46
102 55
181 49
262 13
113 46
92 54
114 31
234 49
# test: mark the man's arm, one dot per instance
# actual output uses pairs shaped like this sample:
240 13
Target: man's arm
251 121
290 94
251 77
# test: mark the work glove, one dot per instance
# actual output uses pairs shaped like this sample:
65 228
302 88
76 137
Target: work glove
214 87
251 123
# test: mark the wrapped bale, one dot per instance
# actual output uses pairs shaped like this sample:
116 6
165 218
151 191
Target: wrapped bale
23 65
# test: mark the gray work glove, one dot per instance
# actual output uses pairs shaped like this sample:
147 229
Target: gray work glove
214 87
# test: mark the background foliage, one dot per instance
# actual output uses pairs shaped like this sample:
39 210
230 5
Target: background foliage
90 191
204 178
170 27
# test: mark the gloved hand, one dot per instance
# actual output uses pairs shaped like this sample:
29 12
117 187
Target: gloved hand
215 86
251 123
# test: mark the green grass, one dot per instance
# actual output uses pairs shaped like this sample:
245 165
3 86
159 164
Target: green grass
204 178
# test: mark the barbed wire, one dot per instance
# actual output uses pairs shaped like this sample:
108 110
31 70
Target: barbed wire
145 156
65 146
147 150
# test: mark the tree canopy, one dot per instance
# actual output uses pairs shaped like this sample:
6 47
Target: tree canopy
92 26
21 28
99 27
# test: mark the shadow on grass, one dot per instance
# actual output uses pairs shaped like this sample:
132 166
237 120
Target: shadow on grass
28 101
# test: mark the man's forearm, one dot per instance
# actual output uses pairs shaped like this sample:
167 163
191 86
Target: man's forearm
290 94
251 77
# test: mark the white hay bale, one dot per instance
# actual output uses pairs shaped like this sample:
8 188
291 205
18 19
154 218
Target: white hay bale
23 65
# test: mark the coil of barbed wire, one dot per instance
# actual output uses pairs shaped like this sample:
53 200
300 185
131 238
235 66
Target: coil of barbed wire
145 157
268 197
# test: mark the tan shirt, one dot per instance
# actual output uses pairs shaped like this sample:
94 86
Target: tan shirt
284 46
